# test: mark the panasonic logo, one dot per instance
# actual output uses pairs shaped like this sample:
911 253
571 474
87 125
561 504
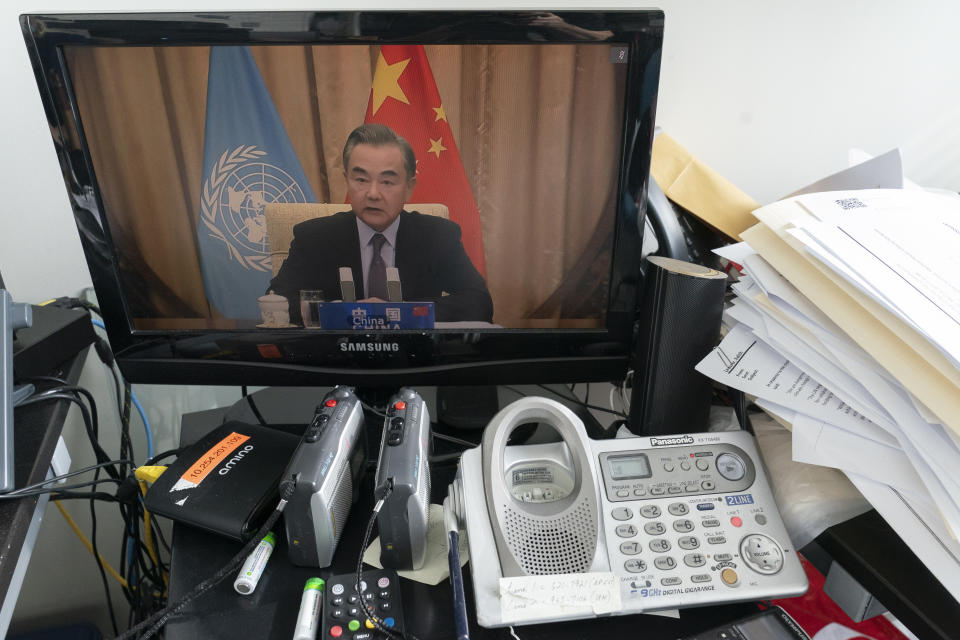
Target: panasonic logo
370 346
666 442
238 456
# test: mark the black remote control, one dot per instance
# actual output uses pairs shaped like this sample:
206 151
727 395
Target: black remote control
342 613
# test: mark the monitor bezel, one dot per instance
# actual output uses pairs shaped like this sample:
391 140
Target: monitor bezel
447 356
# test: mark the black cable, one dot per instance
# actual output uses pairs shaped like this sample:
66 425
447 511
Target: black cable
96 557
256 412
70 474
54 490
579 401
155 622
381 494
164 454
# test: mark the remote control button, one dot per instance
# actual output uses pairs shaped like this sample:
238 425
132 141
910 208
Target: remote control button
336 613
353 598
622 513
368 624
353 625
671 581
708 485
363 635
760 519
336 602
762 554
685 465
389 622
665 563
336 631
674 490
655 528
668 467
660 545
337 589
683 526
630 548
353 612
384 595
711 522
650 511
705 506
700 577
731 466
626 530
363 585
383 582
657 491
730 577
694 560
384 606
678 509
368 596
702 464
688 542
736 521
635 566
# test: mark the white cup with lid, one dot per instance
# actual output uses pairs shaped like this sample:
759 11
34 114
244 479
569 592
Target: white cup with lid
274 309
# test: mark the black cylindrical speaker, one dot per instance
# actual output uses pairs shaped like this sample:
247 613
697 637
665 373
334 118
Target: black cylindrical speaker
678 325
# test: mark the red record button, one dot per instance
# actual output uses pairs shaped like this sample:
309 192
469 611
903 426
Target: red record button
336 631
736 521
400 405
332 402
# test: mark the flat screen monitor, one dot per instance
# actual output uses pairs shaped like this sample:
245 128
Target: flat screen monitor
484 173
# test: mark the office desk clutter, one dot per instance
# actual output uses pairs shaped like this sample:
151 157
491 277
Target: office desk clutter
845 326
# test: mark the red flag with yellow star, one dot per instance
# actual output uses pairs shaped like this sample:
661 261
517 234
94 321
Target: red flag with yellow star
404 97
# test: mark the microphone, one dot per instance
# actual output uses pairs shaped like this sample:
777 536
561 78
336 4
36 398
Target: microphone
394 292
348 290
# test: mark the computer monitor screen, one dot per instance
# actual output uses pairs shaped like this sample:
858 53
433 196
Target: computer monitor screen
239 180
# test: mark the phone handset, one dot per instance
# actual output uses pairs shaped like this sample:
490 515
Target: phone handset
556 533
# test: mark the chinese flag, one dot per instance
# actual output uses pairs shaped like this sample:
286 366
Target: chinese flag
404 97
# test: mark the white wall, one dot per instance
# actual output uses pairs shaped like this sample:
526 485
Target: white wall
770 93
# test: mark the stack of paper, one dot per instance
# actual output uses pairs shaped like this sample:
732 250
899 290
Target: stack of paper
848 328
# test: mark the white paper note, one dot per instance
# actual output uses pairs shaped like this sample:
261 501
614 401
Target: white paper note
548 597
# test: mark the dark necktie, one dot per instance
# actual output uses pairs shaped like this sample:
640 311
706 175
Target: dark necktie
378 270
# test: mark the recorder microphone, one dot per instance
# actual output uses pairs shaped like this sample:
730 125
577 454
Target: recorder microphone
394 293
348 290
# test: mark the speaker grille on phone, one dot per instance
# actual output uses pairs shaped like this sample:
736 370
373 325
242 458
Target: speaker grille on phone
547 546
342 498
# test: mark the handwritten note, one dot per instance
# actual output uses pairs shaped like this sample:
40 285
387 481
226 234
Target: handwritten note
548 597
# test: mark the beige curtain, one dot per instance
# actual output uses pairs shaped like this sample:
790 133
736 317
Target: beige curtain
537 128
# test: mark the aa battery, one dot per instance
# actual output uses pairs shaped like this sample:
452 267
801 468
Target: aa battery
308 619
253 567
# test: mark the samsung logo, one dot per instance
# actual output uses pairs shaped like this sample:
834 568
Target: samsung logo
370 346
235 459
666 442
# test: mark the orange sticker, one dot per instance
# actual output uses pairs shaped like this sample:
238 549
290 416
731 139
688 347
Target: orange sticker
208 461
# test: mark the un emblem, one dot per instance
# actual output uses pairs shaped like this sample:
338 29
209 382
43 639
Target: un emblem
240 184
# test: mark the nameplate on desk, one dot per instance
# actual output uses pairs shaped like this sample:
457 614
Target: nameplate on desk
376 315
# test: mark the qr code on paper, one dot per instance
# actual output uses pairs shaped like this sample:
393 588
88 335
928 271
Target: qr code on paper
850 203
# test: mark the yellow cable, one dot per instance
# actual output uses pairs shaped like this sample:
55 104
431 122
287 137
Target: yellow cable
86 543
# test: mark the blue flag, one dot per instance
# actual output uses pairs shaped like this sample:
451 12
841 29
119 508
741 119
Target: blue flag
248 161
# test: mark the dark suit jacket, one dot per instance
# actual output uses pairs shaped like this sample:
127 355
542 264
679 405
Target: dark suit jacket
429 256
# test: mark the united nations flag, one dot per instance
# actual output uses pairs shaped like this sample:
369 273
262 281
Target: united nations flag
248 161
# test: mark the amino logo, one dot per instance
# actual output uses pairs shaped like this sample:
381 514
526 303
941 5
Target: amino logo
238 456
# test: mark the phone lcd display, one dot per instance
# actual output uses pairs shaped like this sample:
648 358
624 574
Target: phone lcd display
629 467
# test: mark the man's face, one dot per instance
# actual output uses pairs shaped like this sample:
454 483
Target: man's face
377 183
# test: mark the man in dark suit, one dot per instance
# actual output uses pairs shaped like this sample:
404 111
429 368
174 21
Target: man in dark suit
380 169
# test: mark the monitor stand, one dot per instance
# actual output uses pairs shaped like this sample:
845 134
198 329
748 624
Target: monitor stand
12 317
467 407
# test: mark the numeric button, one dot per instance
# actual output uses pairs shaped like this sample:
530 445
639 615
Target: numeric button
688 542
665 563
622 513
655 528
678 509
650 511
660 545
635 565
631 548
683 526
694 560
626 530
